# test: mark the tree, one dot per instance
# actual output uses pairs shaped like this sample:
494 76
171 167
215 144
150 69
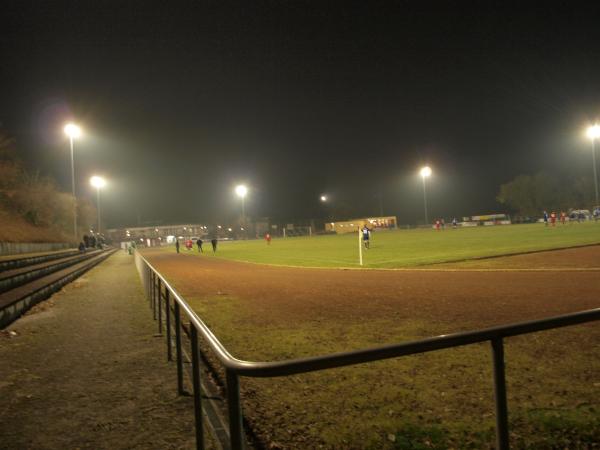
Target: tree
520 195
529 195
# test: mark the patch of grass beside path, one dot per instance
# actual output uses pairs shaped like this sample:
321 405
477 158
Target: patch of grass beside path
436 400
407 248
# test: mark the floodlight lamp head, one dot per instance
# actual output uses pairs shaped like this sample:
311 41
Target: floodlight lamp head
72 130
426 171
97 182
593 132
323 198
241 190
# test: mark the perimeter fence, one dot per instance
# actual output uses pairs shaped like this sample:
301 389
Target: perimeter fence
171 310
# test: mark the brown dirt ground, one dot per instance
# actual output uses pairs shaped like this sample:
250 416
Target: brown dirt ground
458 299
247 305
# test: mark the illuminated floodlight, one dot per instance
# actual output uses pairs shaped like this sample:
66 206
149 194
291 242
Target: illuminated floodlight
323 198
241 190
229 229
426 172
593 131
219 227
242 228
97 182
72 130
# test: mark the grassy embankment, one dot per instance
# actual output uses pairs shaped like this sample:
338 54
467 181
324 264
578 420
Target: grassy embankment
15 229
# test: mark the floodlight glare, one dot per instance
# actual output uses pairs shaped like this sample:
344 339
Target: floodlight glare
426 171
72 130
323 198
97 182
241 190
593 131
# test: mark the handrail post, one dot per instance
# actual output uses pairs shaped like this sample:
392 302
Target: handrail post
168 314
153 280
148 272
159 299
500 395
197 389
234 409
178 349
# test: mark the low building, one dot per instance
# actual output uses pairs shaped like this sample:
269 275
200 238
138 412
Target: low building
156 233
349 226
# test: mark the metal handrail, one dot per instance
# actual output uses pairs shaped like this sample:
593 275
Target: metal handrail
235 367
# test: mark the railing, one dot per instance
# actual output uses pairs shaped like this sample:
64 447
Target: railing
234 368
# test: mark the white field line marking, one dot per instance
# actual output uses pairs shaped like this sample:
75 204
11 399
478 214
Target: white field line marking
422 269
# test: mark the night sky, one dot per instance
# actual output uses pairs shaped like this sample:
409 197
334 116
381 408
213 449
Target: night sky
182 101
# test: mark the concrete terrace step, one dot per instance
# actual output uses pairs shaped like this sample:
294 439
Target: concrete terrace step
17 301
15 261
11 279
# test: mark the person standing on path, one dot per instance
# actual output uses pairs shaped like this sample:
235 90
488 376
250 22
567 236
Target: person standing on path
177 245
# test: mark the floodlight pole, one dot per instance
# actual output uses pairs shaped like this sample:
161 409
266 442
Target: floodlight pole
73 189
425 200
243 212
98 206
594 166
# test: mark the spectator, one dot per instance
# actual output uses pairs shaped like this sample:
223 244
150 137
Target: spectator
199 243
214 244
177 245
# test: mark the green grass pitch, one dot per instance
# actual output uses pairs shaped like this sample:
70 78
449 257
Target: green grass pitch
408 248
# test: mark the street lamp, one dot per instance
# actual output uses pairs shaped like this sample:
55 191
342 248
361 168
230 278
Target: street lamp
73 131
241 192
593 132
425 173
98 183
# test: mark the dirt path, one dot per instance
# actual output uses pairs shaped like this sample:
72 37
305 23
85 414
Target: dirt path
85 371
266 313
469 298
